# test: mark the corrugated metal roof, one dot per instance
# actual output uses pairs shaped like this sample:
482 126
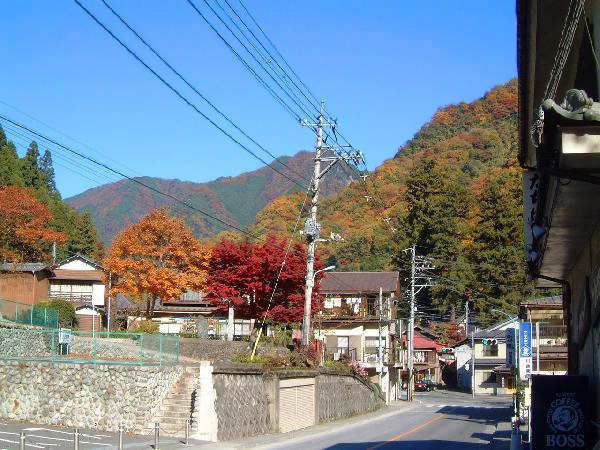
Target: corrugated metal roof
24 267
81 275
355 282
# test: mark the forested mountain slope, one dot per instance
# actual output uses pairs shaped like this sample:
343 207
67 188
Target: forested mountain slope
454 190
233 199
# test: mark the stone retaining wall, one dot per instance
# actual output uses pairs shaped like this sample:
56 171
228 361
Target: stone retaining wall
340 397
245 399
84 395
24 341
242 405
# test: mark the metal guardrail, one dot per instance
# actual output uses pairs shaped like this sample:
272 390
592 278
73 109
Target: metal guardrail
63 345
28 314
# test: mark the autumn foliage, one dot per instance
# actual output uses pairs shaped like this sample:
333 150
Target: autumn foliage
245 273
24 226
157 258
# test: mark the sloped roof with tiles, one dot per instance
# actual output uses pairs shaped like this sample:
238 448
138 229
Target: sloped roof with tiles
359 282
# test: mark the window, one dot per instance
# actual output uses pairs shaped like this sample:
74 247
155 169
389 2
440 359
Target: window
488 377
490 349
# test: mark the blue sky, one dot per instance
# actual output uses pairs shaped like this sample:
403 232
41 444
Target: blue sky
383 68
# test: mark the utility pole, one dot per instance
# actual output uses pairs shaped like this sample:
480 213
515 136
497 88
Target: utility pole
473 364
312 237
411 327
311 226
379 347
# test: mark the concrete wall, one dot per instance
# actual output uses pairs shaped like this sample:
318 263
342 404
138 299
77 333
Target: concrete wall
83 395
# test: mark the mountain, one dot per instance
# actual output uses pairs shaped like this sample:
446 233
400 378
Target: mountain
235 200
455 191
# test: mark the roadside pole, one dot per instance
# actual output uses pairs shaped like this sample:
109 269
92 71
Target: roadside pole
473 363
411 328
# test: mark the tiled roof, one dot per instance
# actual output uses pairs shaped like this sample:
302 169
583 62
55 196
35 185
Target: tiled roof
76 256
81 275
555 300
24 267
359 282
421 342
490 361
490 334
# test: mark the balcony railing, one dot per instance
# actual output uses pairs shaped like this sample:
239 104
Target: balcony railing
76 297
337 353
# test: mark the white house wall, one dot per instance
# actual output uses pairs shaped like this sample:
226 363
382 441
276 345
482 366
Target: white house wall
76 264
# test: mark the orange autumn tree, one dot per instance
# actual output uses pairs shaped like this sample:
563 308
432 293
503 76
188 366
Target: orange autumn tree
25 235
157 258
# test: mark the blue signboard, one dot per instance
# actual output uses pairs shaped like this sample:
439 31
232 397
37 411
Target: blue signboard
525 335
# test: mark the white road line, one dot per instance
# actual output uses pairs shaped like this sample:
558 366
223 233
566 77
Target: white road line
8 432
48 437
15 442
93 436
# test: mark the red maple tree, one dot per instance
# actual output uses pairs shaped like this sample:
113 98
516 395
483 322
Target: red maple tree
245 273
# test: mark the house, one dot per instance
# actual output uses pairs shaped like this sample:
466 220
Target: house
355 319
546 316
426 358
80 280
26 283
492 374
559 136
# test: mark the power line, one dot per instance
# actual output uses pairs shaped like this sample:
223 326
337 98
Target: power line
198 92
302 108
273 59
182 97
243 61
277 51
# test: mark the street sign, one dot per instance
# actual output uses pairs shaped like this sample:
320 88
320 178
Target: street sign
560 412
525 350
511 351
64 336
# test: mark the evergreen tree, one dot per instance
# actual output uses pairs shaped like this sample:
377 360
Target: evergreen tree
10 175
46 170
30 171
437 207
83 239
497 243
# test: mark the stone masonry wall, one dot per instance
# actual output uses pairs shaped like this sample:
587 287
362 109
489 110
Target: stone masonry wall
24 341
241 405
84 395
246 398
342 396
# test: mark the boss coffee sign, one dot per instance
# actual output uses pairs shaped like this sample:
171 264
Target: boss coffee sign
559 412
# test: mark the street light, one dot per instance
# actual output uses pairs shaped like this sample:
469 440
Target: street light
323 270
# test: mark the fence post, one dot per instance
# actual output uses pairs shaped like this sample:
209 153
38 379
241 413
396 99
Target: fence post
121 437
76 439
187 431
22 439
156 435
46 316
31 315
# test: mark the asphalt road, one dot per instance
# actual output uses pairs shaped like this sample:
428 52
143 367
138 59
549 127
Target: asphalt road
437 420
